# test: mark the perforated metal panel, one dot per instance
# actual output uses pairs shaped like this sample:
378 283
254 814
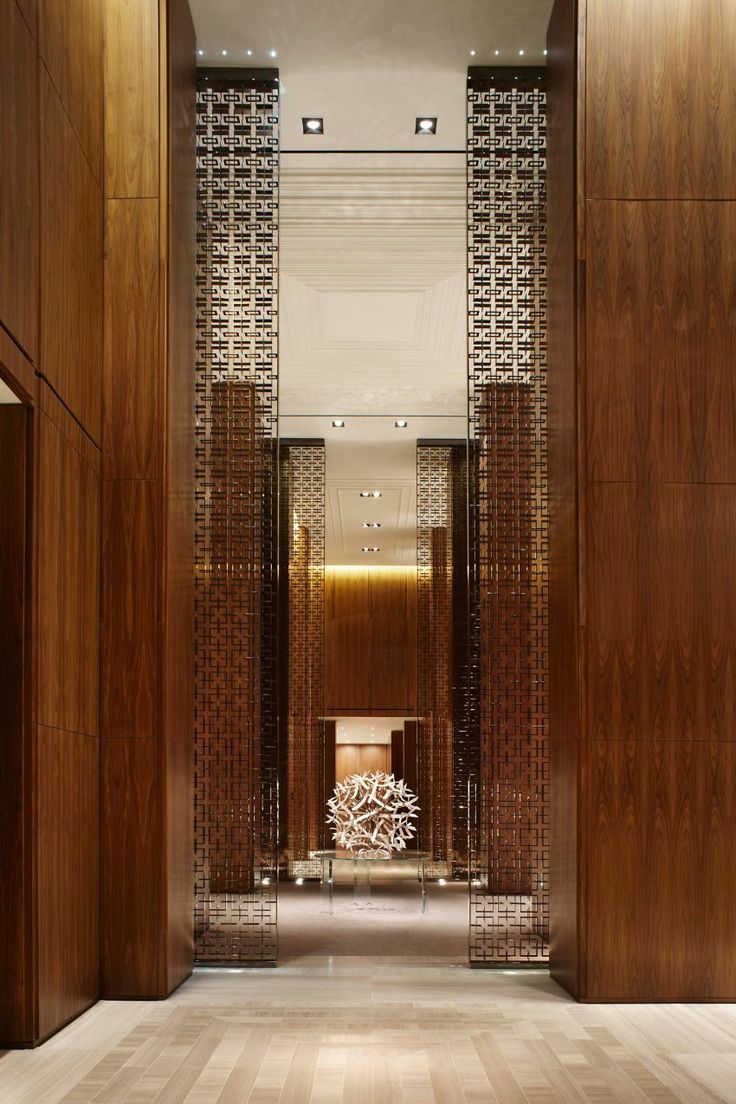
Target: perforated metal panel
236 806
507 387
304 520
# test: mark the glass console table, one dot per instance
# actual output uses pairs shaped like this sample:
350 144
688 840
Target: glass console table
361 868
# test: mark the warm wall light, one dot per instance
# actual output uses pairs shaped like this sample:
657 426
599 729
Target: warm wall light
313 124
426 124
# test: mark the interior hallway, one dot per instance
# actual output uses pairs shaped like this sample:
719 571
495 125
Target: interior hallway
323 1031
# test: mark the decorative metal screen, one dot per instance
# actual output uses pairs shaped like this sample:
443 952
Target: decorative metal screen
236 805
507 348
442 737
303 503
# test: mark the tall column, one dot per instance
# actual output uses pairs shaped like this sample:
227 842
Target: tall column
146 859
642 414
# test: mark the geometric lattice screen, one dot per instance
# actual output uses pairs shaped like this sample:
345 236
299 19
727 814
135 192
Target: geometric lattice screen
303 532
236 754
444 750
508 429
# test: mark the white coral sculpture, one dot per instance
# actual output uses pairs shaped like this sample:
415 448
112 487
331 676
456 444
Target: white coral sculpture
372 814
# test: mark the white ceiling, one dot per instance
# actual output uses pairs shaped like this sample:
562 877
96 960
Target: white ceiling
370 67
366 730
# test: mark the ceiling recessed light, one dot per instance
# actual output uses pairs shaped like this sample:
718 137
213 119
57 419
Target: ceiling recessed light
272 53
370 494
545 53
401 423
249 53
338 423
497 52
370 525
426 124
521 53
365 548
313 124
224 53
472 53
300 881
201 53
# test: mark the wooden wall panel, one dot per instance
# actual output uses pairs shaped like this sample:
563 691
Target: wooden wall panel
71 266
19 180
29 10
178 609
132 127
68 579
133 890
67 875
370 641
360 758
70 44
663 914
131 550
643 500
16 930
132 387
661 637
661 304
660 99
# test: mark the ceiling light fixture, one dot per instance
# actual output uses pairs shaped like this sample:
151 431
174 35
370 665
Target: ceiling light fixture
371 494
313 125
401 423
545 53
521 53
249 53
426 124
224 53
472 53
338 423
370 525
373 548
201 53
497 52
272 53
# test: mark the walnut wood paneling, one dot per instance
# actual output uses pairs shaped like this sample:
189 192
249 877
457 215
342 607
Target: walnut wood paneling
16 931
561 102
661 303
29 11
661 99
662 914
132 388
361 758
133 890
16 370
661 612
131 31
71 266
19 180
70 44
370 640
67 875
397 752
68 580
130 615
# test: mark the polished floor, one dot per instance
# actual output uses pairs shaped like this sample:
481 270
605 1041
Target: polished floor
369 1031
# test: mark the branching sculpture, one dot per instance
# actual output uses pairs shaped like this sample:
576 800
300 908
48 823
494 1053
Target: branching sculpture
372 814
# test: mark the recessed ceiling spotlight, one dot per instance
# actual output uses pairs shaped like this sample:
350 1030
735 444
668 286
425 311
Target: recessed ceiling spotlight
401 423
370 525
521 53
497 52
300 881
201 53
249 53
371 494
272 53
224 53
544 52
338 423
426 124
313 124
472 53
365 548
